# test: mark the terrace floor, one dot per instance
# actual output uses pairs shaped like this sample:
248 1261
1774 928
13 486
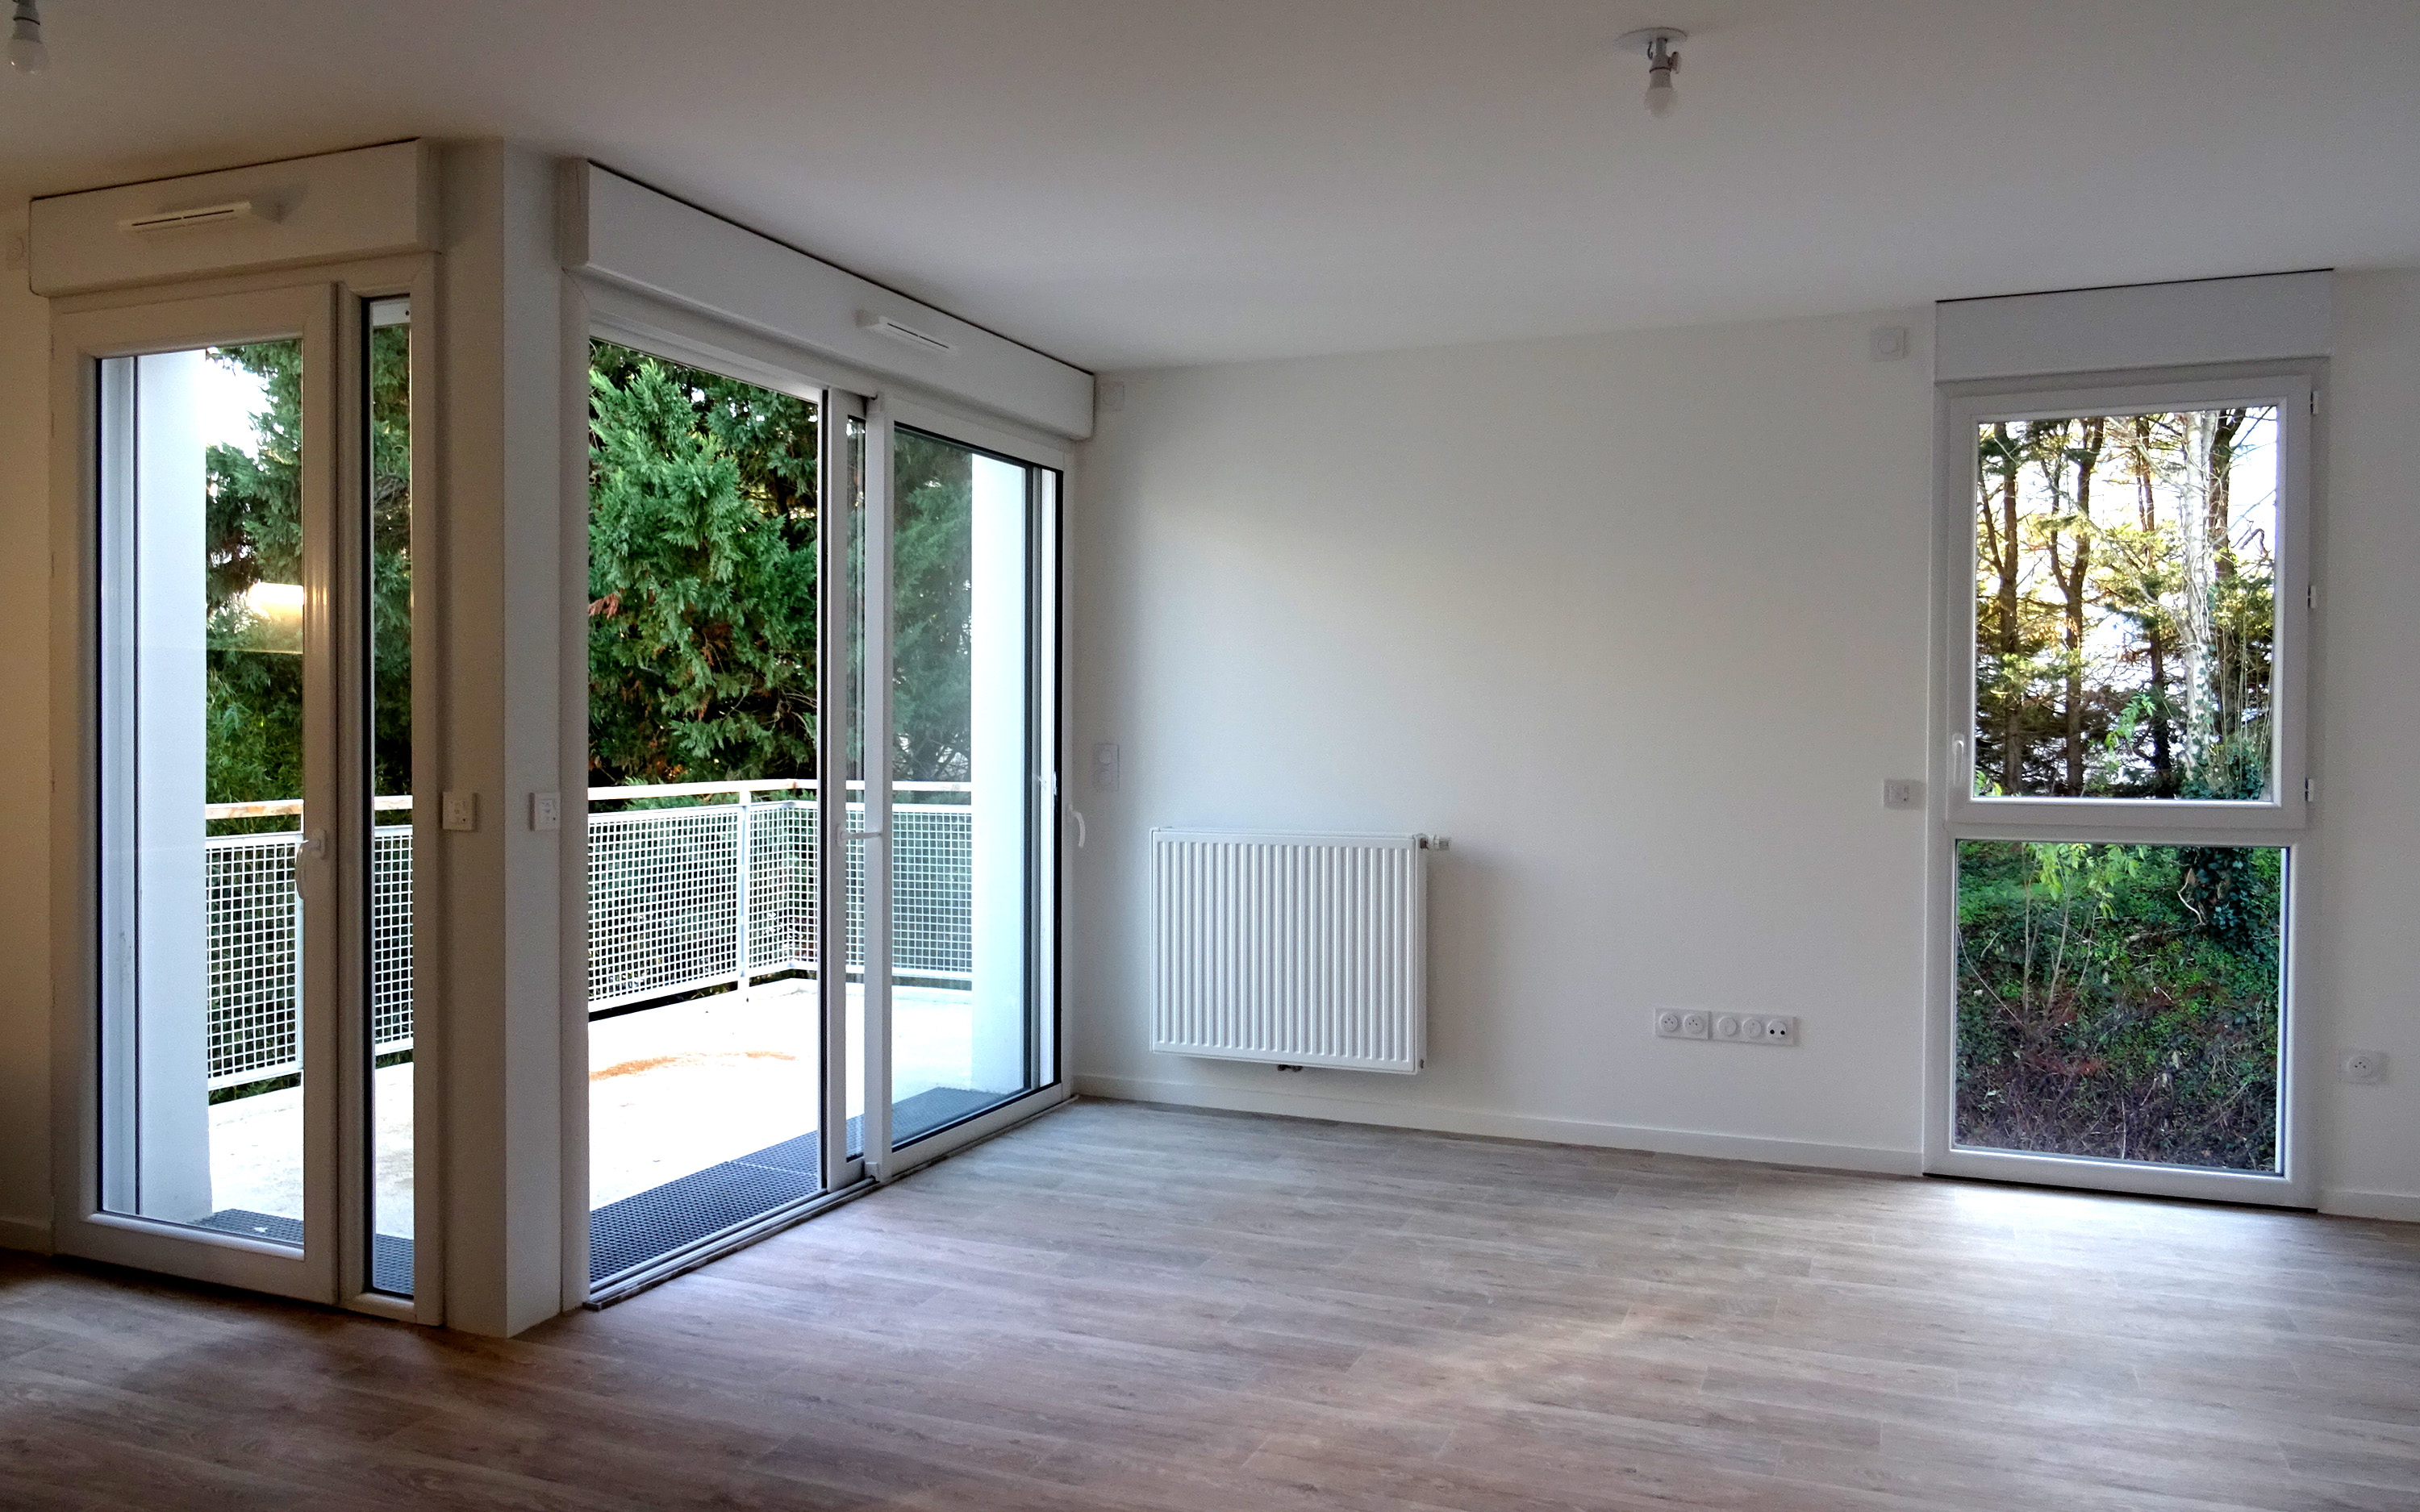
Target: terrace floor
673 1091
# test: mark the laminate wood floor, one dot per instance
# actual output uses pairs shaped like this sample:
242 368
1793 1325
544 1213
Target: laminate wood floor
1146 1308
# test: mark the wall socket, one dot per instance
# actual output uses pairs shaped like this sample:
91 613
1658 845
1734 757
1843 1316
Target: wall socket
2364 1068
1731 1028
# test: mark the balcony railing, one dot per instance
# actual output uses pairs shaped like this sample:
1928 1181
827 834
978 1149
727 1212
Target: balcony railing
666 898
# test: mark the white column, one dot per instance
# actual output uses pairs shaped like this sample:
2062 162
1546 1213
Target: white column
502 990
172 979
998 733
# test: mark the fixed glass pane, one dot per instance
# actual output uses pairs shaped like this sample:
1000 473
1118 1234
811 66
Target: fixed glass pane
705 1037
962 765
389 504
2125 579
2122 1002
202 779
853 811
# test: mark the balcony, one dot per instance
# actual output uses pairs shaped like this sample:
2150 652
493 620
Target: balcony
684 1079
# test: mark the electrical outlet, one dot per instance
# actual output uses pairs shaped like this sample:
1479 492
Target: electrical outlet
1105 766
1667 1025
1726 1026
1696 1026
1781 1029
1751 1029
2364 1068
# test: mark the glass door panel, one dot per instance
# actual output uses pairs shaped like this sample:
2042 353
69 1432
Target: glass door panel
705 1045
388 503
2121 1002
966 805
203 815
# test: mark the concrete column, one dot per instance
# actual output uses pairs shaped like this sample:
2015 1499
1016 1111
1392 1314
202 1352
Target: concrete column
1001 773
166 1024
494 972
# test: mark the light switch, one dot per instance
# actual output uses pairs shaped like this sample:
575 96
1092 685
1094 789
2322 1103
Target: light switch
461 810
1903 793
1105 766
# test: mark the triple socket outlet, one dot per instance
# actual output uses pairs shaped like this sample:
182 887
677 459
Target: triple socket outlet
1736 1028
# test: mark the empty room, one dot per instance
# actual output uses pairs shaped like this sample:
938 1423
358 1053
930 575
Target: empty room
1142 756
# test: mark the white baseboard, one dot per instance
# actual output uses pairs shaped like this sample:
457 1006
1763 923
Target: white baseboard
1510 1125
2400 1206
25 1233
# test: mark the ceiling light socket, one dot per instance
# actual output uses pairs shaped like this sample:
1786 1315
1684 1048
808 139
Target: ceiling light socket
26 53
1661 46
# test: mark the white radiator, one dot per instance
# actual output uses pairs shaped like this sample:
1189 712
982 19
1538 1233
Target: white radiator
1303 949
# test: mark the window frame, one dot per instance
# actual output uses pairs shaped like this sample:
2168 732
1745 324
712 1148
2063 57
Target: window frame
317 303
675 331
2293 388
2298 387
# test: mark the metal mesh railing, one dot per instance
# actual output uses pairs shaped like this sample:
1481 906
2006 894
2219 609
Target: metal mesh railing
665 899
256 955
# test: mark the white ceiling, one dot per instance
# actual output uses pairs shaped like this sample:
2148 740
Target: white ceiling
1128 183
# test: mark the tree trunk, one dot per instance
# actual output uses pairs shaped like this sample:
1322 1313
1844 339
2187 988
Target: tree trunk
2013 770
2202 715
2227 654
2154 625
2073 583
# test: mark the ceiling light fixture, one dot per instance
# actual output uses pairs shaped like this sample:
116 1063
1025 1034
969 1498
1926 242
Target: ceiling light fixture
26 53
1662 45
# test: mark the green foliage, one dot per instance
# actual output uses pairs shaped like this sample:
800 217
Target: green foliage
701 573
254 536
932 564
701 581
2121 1000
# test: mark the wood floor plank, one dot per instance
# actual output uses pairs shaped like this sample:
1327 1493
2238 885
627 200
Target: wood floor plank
1162 1310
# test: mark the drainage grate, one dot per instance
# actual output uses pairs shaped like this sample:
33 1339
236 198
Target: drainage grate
662 1219
656 1221
390 1255
652 1223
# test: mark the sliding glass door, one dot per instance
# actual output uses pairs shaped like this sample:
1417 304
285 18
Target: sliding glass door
970 779
781 580
706 720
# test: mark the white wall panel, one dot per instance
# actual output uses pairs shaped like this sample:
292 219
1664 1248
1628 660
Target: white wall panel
1641 621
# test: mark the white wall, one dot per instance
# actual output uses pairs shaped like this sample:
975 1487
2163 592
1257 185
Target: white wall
1640 621
2363 942
24 752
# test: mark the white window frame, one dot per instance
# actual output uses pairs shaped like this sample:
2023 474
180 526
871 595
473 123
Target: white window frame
2298 389
2293 388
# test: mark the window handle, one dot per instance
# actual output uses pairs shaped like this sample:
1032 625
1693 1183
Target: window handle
315 844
